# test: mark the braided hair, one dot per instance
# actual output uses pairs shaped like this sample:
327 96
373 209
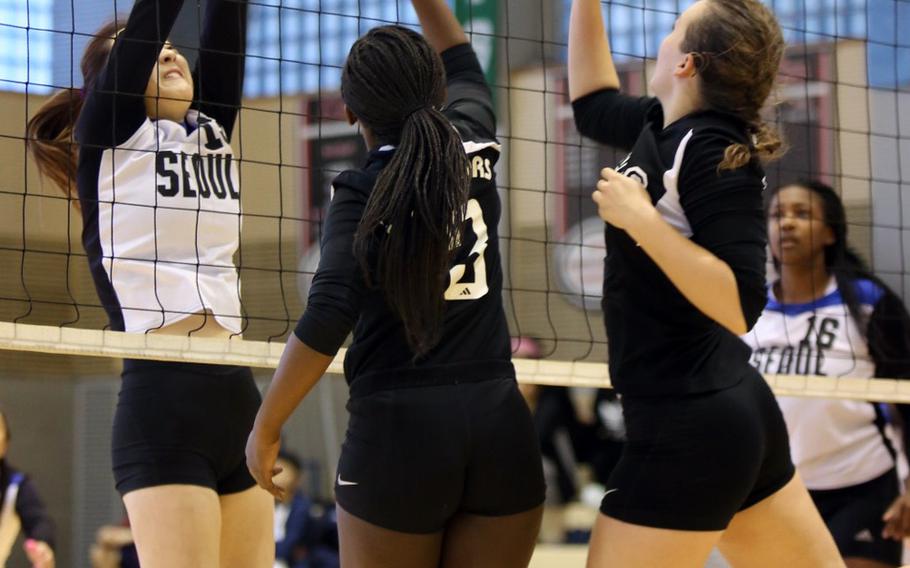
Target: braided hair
394 83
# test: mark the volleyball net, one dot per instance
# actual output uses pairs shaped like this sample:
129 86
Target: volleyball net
843 104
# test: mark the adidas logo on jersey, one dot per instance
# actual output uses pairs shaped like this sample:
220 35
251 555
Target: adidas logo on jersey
864 535
465 292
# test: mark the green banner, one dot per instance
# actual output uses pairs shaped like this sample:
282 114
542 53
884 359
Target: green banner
480 20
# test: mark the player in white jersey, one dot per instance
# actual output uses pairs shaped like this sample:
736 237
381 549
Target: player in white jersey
159 193
827 315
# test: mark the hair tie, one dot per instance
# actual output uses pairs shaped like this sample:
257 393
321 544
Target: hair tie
414 111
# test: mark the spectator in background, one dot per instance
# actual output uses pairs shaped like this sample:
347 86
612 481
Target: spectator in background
558 428
575 426
114 547
300 523
828 315
22 509
292 513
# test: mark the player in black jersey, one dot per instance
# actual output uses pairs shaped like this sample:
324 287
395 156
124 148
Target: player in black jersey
440 464
706 460
159 195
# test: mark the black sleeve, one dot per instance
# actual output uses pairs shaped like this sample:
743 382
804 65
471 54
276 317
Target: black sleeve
219 70
468 96
333 304
612 118
726 213
888 338
115 105
35 521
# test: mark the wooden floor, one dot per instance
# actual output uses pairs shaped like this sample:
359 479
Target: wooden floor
559 556
578 516
574 556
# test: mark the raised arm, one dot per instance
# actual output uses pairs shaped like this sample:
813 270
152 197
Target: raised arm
440 26
469 102
115 104
219 70
601 112
590 61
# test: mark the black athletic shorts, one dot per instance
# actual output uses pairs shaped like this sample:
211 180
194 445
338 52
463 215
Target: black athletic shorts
183 423
414 457
854 517
692 462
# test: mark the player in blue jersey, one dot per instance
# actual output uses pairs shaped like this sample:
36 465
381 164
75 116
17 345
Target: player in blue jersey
828 315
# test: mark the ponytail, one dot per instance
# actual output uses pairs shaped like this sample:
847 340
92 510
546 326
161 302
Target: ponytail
393 82
50 131
847 268
766 146
50 139
419 202
738 46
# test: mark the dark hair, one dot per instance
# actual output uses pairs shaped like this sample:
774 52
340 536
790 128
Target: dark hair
841 261
50 131
737 46
394 83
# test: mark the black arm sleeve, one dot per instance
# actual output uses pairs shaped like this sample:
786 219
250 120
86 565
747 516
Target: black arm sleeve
726 214
333 304
219 70
115 105
612 118
468 99
888 338
35 521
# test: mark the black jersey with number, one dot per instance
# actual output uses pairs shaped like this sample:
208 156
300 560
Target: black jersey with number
474 341
659 343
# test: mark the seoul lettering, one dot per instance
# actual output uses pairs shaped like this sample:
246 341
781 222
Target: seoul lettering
192 175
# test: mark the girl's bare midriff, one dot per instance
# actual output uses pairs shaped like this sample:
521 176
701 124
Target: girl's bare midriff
202 324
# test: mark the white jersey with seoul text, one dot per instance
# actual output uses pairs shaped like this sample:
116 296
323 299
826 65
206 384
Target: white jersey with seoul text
169 223
834 443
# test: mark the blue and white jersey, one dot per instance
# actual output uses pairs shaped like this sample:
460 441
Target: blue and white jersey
168 223
834 443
